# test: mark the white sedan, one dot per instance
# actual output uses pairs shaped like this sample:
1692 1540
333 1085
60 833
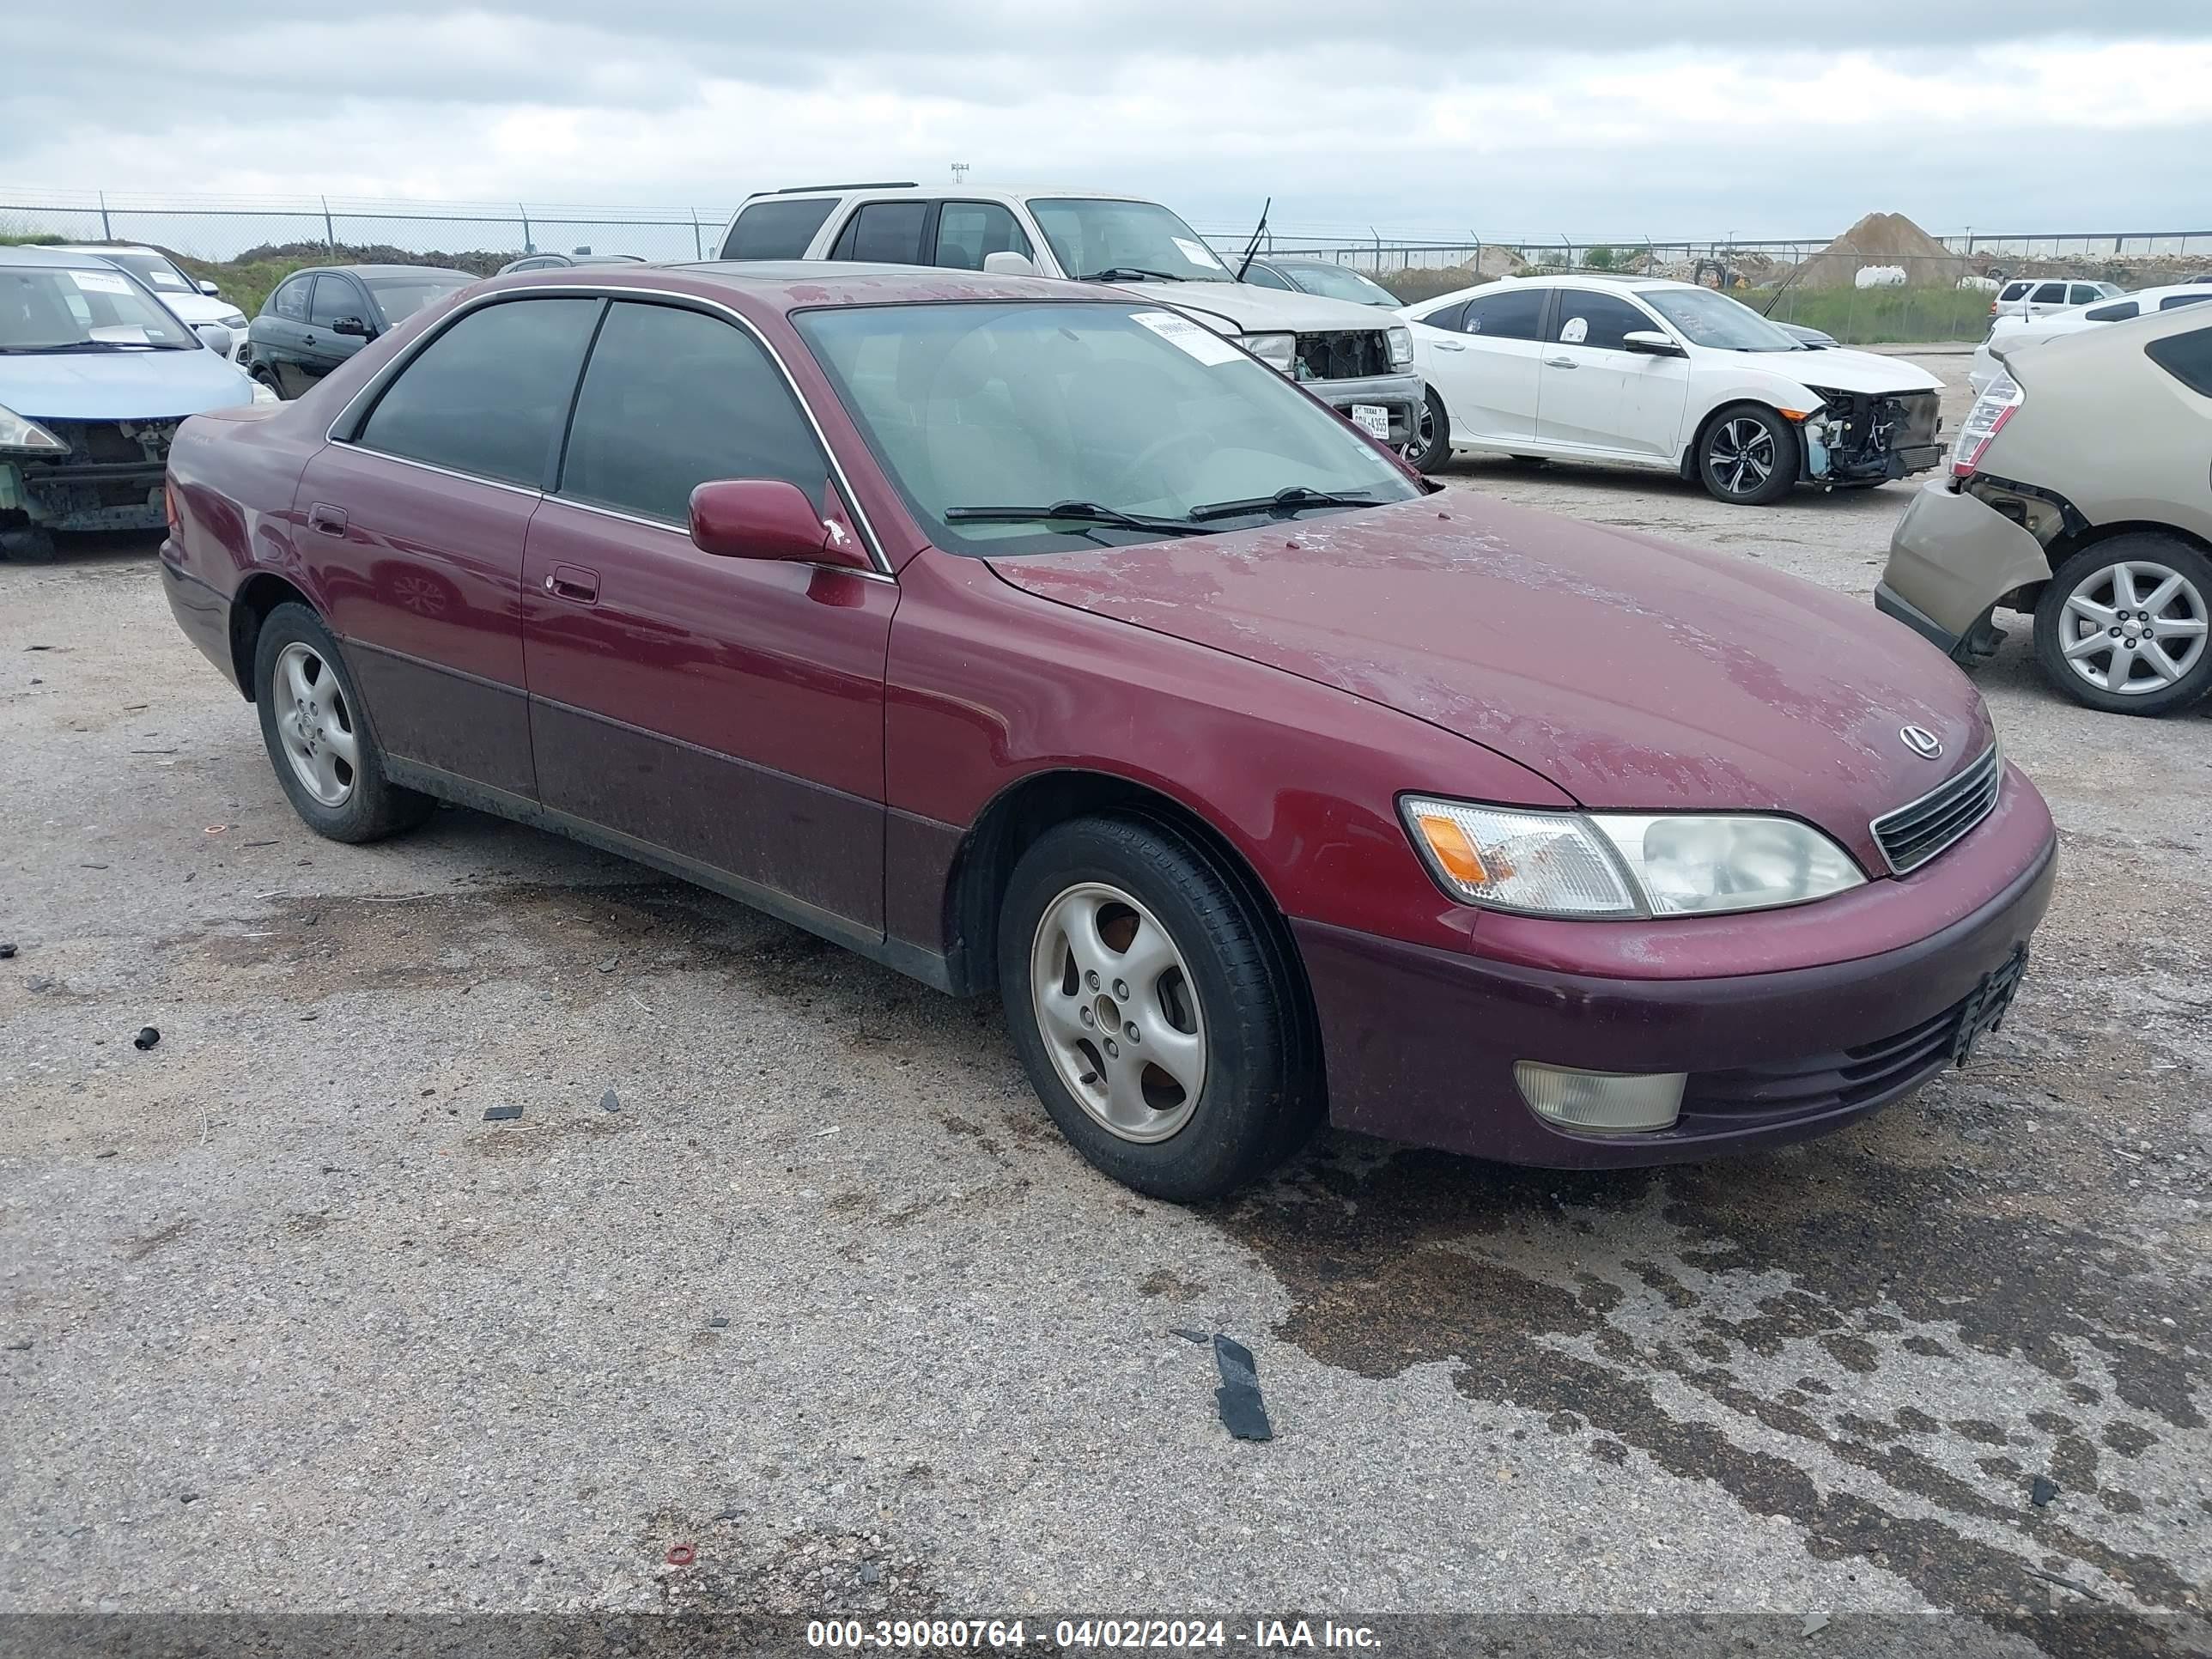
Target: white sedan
2024 329
1663 374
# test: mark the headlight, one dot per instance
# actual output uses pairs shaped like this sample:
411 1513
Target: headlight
1402 347
1278 352
1599 864
233 319
18 433
263 394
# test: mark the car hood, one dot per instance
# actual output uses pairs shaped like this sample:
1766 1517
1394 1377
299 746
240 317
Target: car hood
120 386
1251 307
1841 369
1634 674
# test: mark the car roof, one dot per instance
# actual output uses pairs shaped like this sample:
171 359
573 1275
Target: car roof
61 258
108 247
1006 193
388 271
787 285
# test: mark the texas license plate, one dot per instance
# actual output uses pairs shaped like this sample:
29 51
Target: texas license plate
1986 1004
1372 419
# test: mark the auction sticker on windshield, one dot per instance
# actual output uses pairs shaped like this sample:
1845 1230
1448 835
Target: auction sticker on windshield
1197 252
1372 419
101 282
1202 343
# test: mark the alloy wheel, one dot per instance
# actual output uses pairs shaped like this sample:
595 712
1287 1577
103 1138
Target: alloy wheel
1741 455
1424 434
1118 1010
316 725
2134 627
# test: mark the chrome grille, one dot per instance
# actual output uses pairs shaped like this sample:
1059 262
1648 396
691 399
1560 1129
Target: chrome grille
1916 833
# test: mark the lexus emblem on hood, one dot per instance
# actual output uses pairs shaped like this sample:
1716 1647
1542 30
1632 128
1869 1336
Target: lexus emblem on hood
1922 742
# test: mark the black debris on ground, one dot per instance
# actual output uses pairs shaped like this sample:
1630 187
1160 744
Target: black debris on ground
1189 1335
7 950
501 1114
2042 1489
610 1101
147 1037
1244 1414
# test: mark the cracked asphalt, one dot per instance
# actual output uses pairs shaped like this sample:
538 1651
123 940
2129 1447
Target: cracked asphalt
286 1325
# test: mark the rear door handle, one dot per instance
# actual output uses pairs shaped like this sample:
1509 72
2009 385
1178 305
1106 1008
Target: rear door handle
1559 362
573 581
331 520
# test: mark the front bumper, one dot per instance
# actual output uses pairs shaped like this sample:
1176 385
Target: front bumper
61 495
1402 394
1951 558
1420 1043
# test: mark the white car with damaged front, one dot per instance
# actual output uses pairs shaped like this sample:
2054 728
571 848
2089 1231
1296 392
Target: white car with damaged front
1667 375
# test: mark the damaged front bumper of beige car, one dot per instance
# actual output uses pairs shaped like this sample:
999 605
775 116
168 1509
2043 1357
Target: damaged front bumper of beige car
1952 559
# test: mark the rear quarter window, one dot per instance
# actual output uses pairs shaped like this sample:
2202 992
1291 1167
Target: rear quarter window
780 227
2187 357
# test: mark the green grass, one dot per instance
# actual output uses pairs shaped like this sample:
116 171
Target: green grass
1881 316
244 282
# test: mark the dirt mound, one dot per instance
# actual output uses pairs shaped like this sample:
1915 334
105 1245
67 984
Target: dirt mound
1883 239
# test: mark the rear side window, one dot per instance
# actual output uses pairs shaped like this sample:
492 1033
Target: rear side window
1516 314
1597 320
336 297
2050 294
487 395
2014 290
290 301
2187 357
1266 277
674 397
884 233
780 227
2119 312
2175 301
967 233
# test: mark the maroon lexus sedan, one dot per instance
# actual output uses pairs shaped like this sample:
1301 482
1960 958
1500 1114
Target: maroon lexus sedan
1031 638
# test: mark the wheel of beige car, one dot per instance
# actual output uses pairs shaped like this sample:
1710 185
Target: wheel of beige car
1747 456
317 734
1430 448
2122 625
1158 1014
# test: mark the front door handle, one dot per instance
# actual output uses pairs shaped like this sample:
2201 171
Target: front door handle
573 581
1559 362
1449 345
330 521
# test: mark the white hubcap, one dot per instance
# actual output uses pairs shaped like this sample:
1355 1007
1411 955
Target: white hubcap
1118 1010
2133 627
316 725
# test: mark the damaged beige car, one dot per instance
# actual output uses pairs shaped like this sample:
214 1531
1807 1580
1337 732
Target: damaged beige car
2079 492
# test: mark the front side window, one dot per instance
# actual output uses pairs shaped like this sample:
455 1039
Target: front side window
61 309
1706 318
884 233
2113 314
2087 293
335 297
969 232
1266 276
1516 314
1092 236
1342 282
1126 409
673 398
778 227
486 397
1603 320
2175 301
290 301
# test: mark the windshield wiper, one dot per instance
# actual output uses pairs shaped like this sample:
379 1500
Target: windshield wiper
81 345
1283 500
1077 512
1132 274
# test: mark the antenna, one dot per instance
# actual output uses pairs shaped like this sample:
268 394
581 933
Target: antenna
960 173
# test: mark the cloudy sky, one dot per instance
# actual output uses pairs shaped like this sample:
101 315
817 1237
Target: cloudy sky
1580 117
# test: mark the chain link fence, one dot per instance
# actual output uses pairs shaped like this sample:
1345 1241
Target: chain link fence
1939 289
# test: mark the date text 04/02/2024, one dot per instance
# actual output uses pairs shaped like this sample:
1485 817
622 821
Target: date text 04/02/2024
1073 1634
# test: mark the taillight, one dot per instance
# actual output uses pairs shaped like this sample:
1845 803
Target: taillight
169 509
1983 421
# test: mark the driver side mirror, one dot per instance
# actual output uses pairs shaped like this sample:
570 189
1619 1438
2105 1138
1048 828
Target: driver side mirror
768 519
210 290
216 339
353 327
1651 343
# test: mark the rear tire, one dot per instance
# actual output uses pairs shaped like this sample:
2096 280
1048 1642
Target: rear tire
319 736
1189 973
1747 456
263 377
2157 591
1432 443
32 546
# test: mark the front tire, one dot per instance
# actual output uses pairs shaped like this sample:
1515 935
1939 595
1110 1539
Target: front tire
317 730
1431 447
1747 456
32 546
1157 1014
2122 626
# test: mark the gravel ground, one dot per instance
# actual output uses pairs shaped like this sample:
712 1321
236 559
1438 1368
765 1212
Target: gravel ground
288 1325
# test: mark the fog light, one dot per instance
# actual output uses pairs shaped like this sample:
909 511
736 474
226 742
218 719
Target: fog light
1601 1103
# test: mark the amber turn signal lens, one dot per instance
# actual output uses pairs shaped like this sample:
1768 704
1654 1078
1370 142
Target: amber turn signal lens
1453 851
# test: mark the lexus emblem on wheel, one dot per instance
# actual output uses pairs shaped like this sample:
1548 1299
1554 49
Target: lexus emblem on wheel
1922 742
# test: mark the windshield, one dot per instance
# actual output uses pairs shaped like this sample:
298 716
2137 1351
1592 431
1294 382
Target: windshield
1340 282
1124 409
1708 318
399 297
1090 238
154 271
58 308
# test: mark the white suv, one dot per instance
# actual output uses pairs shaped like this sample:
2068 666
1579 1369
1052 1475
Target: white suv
1664 375
2033 296
1354 357
191 303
